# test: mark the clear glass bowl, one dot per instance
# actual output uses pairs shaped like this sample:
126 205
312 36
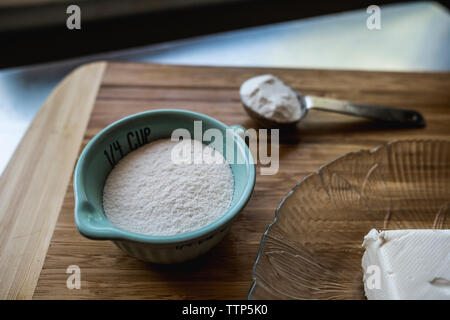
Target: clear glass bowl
312 250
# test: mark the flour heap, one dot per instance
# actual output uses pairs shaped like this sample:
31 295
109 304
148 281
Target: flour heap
149 193
271 98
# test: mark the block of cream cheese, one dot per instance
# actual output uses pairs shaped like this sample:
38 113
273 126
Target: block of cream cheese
407 264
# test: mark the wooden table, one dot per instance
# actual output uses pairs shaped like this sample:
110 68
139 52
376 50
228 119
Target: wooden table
38 237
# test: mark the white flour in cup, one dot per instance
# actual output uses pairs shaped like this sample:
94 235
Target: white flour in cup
148 193
271 98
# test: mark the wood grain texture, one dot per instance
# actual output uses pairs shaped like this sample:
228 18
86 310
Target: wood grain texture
33 185
225 272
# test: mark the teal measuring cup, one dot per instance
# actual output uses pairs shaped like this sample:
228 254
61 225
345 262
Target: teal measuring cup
115 142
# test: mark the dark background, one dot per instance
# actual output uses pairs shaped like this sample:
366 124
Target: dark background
55 42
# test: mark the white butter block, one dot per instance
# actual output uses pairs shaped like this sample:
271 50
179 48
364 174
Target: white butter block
407 264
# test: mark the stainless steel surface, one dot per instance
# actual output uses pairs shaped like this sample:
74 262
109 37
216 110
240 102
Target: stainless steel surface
413 37
403 117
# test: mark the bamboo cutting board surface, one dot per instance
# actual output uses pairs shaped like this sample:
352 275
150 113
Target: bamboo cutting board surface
39 237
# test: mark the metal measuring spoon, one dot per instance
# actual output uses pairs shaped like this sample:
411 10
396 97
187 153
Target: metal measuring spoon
409 118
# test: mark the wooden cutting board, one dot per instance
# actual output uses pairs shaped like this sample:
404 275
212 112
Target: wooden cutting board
38 237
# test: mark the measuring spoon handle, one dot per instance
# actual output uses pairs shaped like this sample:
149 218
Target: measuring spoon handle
407 117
